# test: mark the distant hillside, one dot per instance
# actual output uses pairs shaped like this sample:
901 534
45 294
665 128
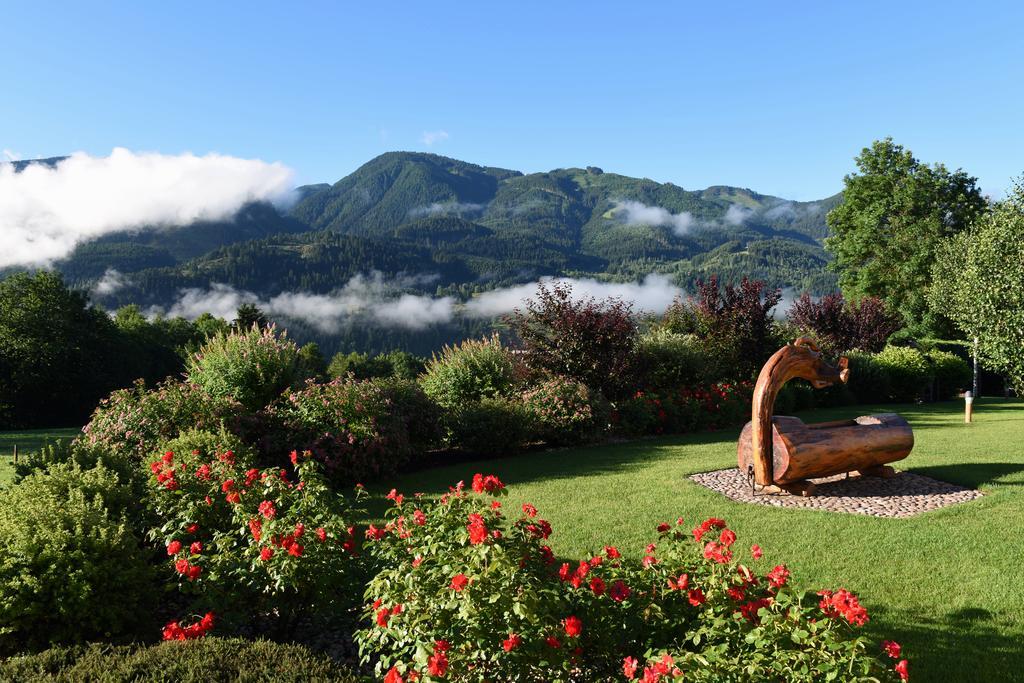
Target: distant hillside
446 227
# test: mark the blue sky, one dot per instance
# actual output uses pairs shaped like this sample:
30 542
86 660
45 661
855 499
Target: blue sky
778 97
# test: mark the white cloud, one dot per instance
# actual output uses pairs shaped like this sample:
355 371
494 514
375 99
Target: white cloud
45 211
653 295
446 208
638 213
373 300
431 137
10 155
112 281
737 214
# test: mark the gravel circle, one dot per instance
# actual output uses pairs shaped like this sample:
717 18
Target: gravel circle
905 495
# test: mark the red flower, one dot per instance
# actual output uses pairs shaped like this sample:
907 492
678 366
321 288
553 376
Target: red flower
374 533
256 528
727 538
573 626
268 509
294 457
419 518
597 585
707 525
477 529
395 496
736 593
321 534
629 666
266 553
649 561
489 483
295 550
194 571
749 609
756 552
512 642
174 547
553 642
891 648
437 665
227 485
619 591
902 669
181 566
612 552
393 676
203 472
529 510
459 581
778 576
843 603
680 584
191 528
383 615
696 597
663 527
300 529
196 548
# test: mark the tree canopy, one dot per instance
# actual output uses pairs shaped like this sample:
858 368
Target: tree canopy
895 213
979 285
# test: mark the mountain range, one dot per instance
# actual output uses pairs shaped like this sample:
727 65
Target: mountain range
432 225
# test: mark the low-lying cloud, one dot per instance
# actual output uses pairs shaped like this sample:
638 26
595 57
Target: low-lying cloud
446 208
46 211
637 213
111 282
371 299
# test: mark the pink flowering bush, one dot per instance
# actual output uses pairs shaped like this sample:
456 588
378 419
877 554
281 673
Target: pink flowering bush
566 412
132 423
357 429
466 593
244 541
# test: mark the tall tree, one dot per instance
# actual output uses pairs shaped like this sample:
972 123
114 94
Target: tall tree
895 213
979 284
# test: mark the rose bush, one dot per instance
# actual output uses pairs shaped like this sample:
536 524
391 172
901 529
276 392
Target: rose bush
244 541
724 404
466 593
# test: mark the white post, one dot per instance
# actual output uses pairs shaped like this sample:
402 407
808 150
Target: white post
968 406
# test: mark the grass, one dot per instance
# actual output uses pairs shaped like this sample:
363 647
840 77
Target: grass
946 584
27 440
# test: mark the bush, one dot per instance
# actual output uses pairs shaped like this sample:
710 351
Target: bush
400 364
133 423
490 426
71 569
356 429
908 371
196 661
252 367
950 372
473 370
583 339
76 452
466 593
734 323
840 325
245 541
668 361
566 412
869 379
724 404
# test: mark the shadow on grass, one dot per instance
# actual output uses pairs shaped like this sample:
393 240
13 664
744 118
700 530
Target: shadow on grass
968 644
974 474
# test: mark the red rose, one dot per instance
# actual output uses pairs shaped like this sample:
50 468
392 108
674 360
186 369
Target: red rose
194 571
663 527
553 642
268 509
321 534
181 566
573 626
612 552
597 585
512 642
196 548
756 552
382 616
727 538
529 510
393 676
891 648
778 576
629 666
696 597
266 553
619 591
174 547
902 669
459 581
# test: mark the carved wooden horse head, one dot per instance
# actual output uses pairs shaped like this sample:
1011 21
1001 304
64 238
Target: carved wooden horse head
800 359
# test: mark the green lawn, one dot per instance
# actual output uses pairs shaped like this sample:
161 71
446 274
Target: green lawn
946 584
27 440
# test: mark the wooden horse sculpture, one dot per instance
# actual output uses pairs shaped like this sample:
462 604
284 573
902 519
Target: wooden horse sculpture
783 452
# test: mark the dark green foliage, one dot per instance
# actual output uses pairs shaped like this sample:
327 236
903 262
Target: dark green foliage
490 426
896 211
208 660
71 566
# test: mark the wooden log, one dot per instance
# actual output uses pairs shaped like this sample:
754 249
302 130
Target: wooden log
801 451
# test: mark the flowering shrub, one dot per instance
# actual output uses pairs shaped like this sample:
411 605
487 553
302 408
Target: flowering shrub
252 367
719 405
70 569
132 423
246 541
356 429
473 370
465 593
566 412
